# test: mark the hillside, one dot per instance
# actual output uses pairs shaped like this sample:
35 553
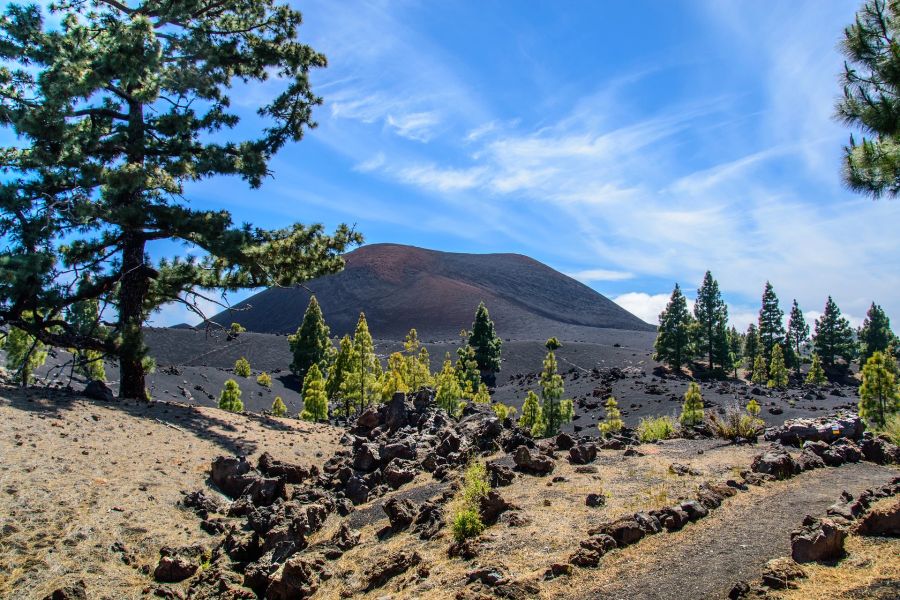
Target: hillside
401 287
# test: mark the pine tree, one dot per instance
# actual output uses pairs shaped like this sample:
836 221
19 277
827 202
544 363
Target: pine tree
834 337
875 335
278 407
871 85
878 394
482 396
486 344
673 340
393 380
448 393
532 417
418 363
797 335
554 409
230 398
751 345
771 319
760 373
113 108
778 373
711 316
552 344
467 368
360 384
816 375
264 379
315 398
612 423
311 343
692 409
753 408
736 350
24 354
242 367
337 377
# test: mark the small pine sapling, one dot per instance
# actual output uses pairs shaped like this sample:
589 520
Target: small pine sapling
692 409
759 375
278 407
242 367
264 379
230 398
816 375
778 373
613 423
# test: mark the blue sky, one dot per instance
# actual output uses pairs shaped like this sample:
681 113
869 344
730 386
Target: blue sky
629 144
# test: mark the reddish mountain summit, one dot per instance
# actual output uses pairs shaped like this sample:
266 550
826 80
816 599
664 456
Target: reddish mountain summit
401 287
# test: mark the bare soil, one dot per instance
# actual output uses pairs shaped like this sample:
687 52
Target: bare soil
77 476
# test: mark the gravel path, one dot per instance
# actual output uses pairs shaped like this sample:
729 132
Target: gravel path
704 560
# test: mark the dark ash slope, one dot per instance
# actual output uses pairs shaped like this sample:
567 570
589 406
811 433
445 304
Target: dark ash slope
401 287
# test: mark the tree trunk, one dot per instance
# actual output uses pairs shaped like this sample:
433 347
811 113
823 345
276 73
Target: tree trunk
132 292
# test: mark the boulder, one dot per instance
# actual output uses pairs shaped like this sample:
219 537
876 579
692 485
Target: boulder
98 390
595 499
780 573
624 531
693 509
390 567
489 576
879 450
492 506
231 474
532 461
400 513
564 441
819 539
291 473
395 413
75 591
366 458
775 462
884 521
368 420
827 429
673 518
296 579
429 521
345 538
174 568
263 491
582 454
592 550
405 450
356 490
809 460
399 472
499 475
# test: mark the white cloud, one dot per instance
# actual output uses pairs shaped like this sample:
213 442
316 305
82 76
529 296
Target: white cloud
419 126
589 275
372 164
645 306
433 178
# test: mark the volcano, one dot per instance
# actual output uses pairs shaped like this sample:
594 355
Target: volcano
402 287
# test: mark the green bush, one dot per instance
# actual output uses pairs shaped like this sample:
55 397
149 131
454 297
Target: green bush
242 367
467 524
612 424
236 329
892 429
278 407
736 424
264 379
230 398
652 429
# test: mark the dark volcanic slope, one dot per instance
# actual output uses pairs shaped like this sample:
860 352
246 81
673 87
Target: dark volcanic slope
401 287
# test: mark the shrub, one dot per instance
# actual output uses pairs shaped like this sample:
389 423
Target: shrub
466 521
892 429
466 524
503 411
753 408
230 398
242 367
278 407
692 409
613 422
652 429
237 329
532 417
736 424
264 379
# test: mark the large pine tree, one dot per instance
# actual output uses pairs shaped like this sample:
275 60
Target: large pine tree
711 316
311 344
871 86
878 394
486 343
875 335
834 336
797 335
771 323
114 108
673 340
360 385
751 344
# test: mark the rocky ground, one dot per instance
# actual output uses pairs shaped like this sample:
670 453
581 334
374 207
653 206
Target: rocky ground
125 500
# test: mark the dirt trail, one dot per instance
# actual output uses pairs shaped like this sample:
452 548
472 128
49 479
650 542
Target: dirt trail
705 559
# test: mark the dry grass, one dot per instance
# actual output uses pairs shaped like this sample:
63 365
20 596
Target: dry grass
871 562
78 476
